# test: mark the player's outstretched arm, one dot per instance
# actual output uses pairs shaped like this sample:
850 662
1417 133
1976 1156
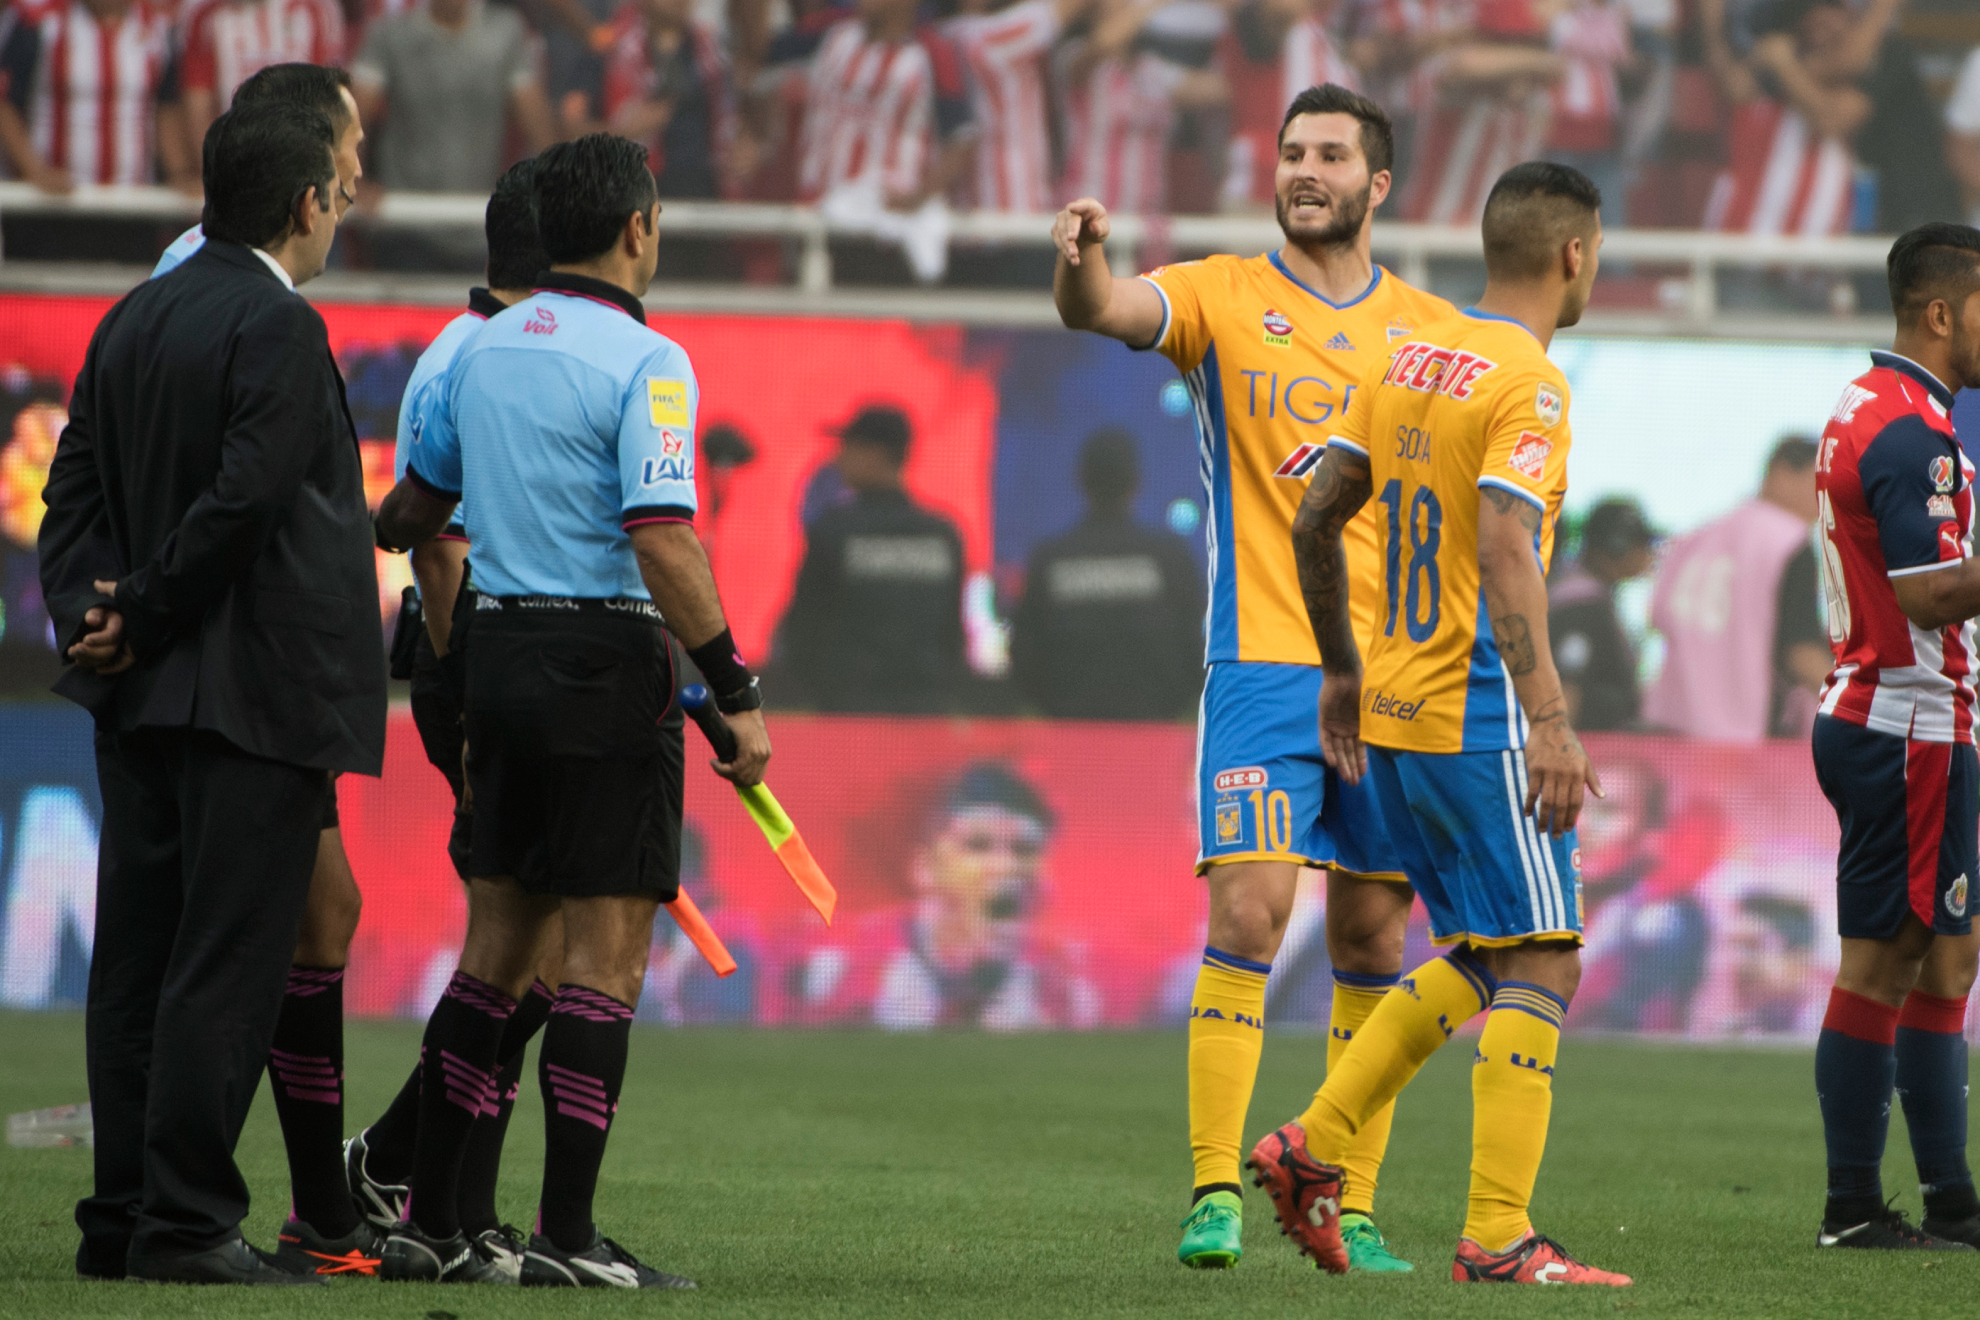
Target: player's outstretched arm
1941 597
1557 768
1336 494
1087 294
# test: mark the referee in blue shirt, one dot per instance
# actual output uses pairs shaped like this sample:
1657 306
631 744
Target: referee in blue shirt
569 431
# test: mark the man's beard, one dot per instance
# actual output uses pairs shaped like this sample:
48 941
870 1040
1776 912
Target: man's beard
1345 226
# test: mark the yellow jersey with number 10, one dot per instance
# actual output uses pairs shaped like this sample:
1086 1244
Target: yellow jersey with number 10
1467 403
1271 366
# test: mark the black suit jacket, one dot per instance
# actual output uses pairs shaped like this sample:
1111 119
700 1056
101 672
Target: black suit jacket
211 468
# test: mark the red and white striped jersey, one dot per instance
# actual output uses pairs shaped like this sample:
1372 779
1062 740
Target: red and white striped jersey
1896 498
226 42
1117 133
88 89
1006 53
1781 177
878 112
1593 38
1462 149
1417 21
1261 89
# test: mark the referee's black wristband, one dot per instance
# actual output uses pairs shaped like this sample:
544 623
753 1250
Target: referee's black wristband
722 665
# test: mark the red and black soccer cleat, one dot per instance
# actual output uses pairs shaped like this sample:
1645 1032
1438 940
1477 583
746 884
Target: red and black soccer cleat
1532 1259
300 1249
1305 1193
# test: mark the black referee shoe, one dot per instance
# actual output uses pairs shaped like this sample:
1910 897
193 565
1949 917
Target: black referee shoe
603 1264
1884 1231
300 1249
1965 1230
384 1204
411 1256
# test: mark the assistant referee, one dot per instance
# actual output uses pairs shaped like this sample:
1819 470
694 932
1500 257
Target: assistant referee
569 429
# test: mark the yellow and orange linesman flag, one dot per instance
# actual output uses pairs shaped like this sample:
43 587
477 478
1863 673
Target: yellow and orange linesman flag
790 848
702 935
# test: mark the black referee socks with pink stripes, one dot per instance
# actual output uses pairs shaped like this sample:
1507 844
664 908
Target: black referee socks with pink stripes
581 1067
458 1062
306 1073
482 1167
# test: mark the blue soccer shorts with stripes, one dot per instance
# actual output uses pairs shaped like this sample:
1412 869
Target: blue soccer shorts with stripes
1263 791
1910 817
1487 873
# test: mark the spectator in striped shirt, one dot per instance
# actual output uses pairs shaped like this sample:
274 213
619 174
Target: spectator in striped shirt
1585 130
89 95
666 85
1273 51
1120 100
226 42
888 130
1005 46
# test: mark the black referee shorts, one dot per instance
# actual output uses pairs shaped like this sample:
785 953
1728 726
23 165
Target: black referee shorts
436 712
574 751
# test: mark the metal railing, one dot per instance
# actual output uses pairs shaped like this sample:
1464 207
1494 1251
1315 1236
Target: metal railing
1407 248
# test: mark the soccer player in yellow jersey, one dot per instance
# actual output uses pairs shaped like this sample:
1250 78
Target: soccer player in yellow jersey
1461 439
1272 349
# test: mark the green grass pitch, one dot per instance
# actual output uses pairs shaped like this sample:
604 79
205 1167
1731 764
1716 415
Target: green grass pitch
861 1175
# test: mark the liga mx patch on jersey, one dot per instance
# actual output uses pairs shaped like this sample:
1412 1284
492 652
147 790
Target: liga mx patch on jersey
667 401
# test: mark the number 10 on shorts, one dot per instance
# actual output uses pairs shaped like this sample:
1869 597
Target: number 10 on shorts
1271 819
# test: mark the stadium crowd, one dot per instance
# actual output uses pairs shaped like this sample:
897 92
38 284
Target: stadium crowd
1768 116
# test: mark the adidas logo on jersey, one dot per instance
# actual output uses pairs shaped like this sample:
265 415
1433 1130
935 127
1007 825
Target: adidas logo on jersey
1340 343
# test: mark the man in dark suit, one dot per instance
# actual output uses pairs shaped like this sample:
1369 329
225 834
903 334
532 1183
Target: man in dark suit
1111 627
207 562
875 622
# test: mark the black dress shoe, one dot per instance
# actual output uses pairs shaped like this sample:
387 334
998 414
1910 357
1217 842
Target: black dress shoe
230 1262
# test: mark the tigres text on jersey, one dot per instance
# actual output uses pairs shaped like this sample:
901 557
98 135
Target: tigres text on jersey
1271 368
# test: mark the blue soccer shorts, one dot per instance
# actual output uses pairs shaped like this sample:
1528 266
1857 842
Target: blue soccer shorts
1263 793
1910 817
1487 873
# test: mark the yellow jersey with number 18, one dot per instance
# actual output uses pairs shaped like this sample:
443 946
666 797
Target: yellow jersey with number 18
1465 404
1271 366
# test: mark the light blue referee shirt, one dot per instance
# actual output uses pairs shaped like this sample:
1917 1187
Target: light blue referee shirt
568 422
182 247
426 390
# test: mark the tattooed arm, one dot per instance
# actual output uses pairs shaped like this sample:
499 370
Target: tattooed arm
1516 599
1337 492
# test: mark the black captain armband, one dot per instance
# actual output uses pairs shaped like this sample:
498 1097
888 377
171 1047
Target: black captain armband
728 677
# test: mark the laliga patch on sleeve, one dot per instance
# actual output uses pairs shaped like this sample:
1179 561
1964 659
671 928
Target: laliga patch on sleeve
1529 456
1547 405
667 401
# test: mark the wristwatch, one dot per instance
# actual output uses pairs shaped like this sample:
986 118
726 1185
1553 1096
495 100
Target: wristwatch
747 697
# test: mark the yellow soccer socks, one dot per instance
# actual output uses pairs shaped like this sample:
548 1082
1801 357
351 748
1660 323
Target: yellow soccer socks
1408 1026
1226 1038
1355 997
1512 1097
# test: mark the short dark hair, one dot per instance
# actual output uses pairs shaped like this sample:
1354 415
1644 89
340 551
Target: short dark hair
316 86
1109 466
515 255
257 162
1933 261
1533 209
1378 133
1792 451
1615 527
585 190
994 784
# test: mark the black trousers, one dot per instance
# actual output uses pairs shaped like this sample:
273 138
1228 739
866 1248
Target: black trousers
201 879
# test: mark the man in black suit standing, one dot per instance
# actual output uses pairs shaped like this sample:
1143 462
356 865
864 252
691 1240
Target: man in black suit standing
207 562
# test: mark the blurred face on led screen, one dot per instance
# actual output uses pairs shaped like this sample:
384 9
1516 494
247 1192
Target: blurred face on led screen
978 874
1322 190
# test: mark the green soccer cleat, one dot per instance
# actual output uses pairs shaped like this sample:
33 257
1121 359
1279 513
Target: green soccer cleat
1367 1249
1213 1233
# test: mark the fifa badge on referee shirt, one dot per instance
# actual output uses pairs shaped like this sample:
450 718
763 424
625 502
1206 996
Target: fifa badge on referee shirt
667 401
